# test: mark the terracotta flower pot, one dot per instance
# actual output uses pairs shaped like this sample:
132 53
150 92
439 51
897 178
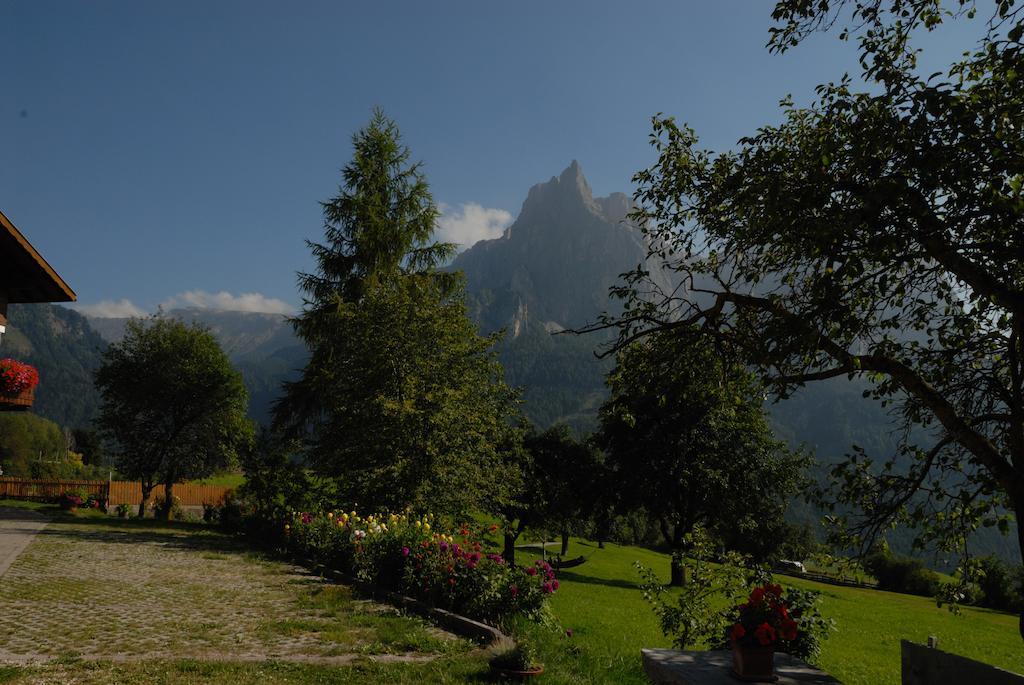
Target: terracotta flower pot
21 401
513 674
753 664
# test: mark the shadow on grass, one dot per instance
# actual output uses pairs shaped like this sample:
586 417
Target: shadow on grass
591 580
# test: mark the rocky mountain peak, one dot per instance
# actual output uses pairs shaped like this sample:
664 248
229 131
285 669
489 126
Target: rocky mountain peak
565 194
558 260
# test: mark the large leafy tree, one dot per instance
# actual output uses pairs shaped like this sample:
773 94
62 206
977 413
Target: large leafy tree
402 402
873 235
172 408
565 481
687 440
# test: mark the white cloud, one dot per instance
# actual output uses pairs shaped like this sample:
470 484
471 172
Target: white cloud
470 223
111 309
225 301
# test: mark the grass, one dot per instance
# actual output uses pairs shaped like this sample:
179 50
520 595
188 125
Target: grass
611 622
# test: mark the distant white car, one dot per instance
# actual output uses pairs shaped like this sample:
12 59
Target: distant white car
787 566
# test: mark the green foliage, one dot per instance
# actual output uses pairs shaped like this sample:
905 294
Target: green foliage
901 574
874 235
522 656
401 401
696 617
276 483
173 407
565 480
25 438
688 441
1001 586
89 445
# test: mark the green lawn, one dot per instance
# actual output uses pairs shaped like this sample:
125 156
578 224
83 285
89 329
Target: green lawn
611 621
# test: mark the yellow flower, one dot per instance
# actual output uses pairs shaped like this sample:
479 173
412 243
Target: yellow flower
426 526
330 514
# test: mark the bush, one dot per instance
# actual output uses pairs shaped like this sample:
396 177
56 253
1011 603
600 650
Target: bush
405 554
70 500
159 503
902 574
999 585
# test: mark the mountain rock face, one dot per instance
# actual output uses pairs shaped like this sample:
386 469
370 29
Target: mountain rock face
551 271
555 263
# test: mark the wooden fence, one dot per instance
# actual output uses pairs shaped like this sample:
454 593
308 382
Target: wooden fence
114 492
190 494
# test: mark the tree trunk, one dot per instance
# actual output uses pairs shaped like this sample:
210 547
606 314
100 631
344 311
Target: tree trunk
168 500
565 543
1018 506
147 489
510 548
678 575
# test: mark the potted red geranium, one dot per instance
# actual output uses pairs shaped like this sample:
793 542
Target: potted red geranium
17 384
762 623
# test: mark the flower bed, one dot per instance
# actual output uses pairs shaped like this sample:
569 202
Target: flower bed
405 554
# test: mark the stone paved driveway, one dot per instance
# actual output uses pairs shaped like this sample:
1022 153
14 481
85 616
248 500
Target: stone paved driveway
17 528
126 590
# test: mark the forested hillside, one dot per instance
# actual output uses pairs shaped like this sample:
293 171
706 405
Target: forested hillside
65 349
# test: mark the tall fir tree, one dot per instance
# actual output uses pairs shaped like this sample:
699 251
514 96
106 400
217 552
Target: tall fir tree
401 401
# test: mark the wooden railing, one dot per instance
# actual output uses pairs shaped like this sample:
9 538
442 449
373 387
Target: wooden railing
114 492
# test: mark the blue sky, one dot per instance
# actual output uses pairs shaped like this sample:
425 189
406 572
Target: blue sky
176 152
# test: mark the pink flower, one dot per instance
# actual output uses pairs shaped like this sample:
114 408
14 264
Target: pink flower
531 571
405 551
514 590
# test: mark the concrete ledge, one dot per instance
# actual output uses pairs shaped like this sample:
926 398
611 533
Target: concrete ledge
674 667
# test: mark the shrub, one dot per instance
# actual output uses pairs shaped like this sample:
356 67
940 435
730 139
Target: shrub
70 500
159 503
406 554
695 616
902 574
521 657
123 510
999 585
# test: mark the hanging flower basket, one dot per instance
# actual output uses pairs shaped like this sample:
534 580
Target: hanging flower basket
18 383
